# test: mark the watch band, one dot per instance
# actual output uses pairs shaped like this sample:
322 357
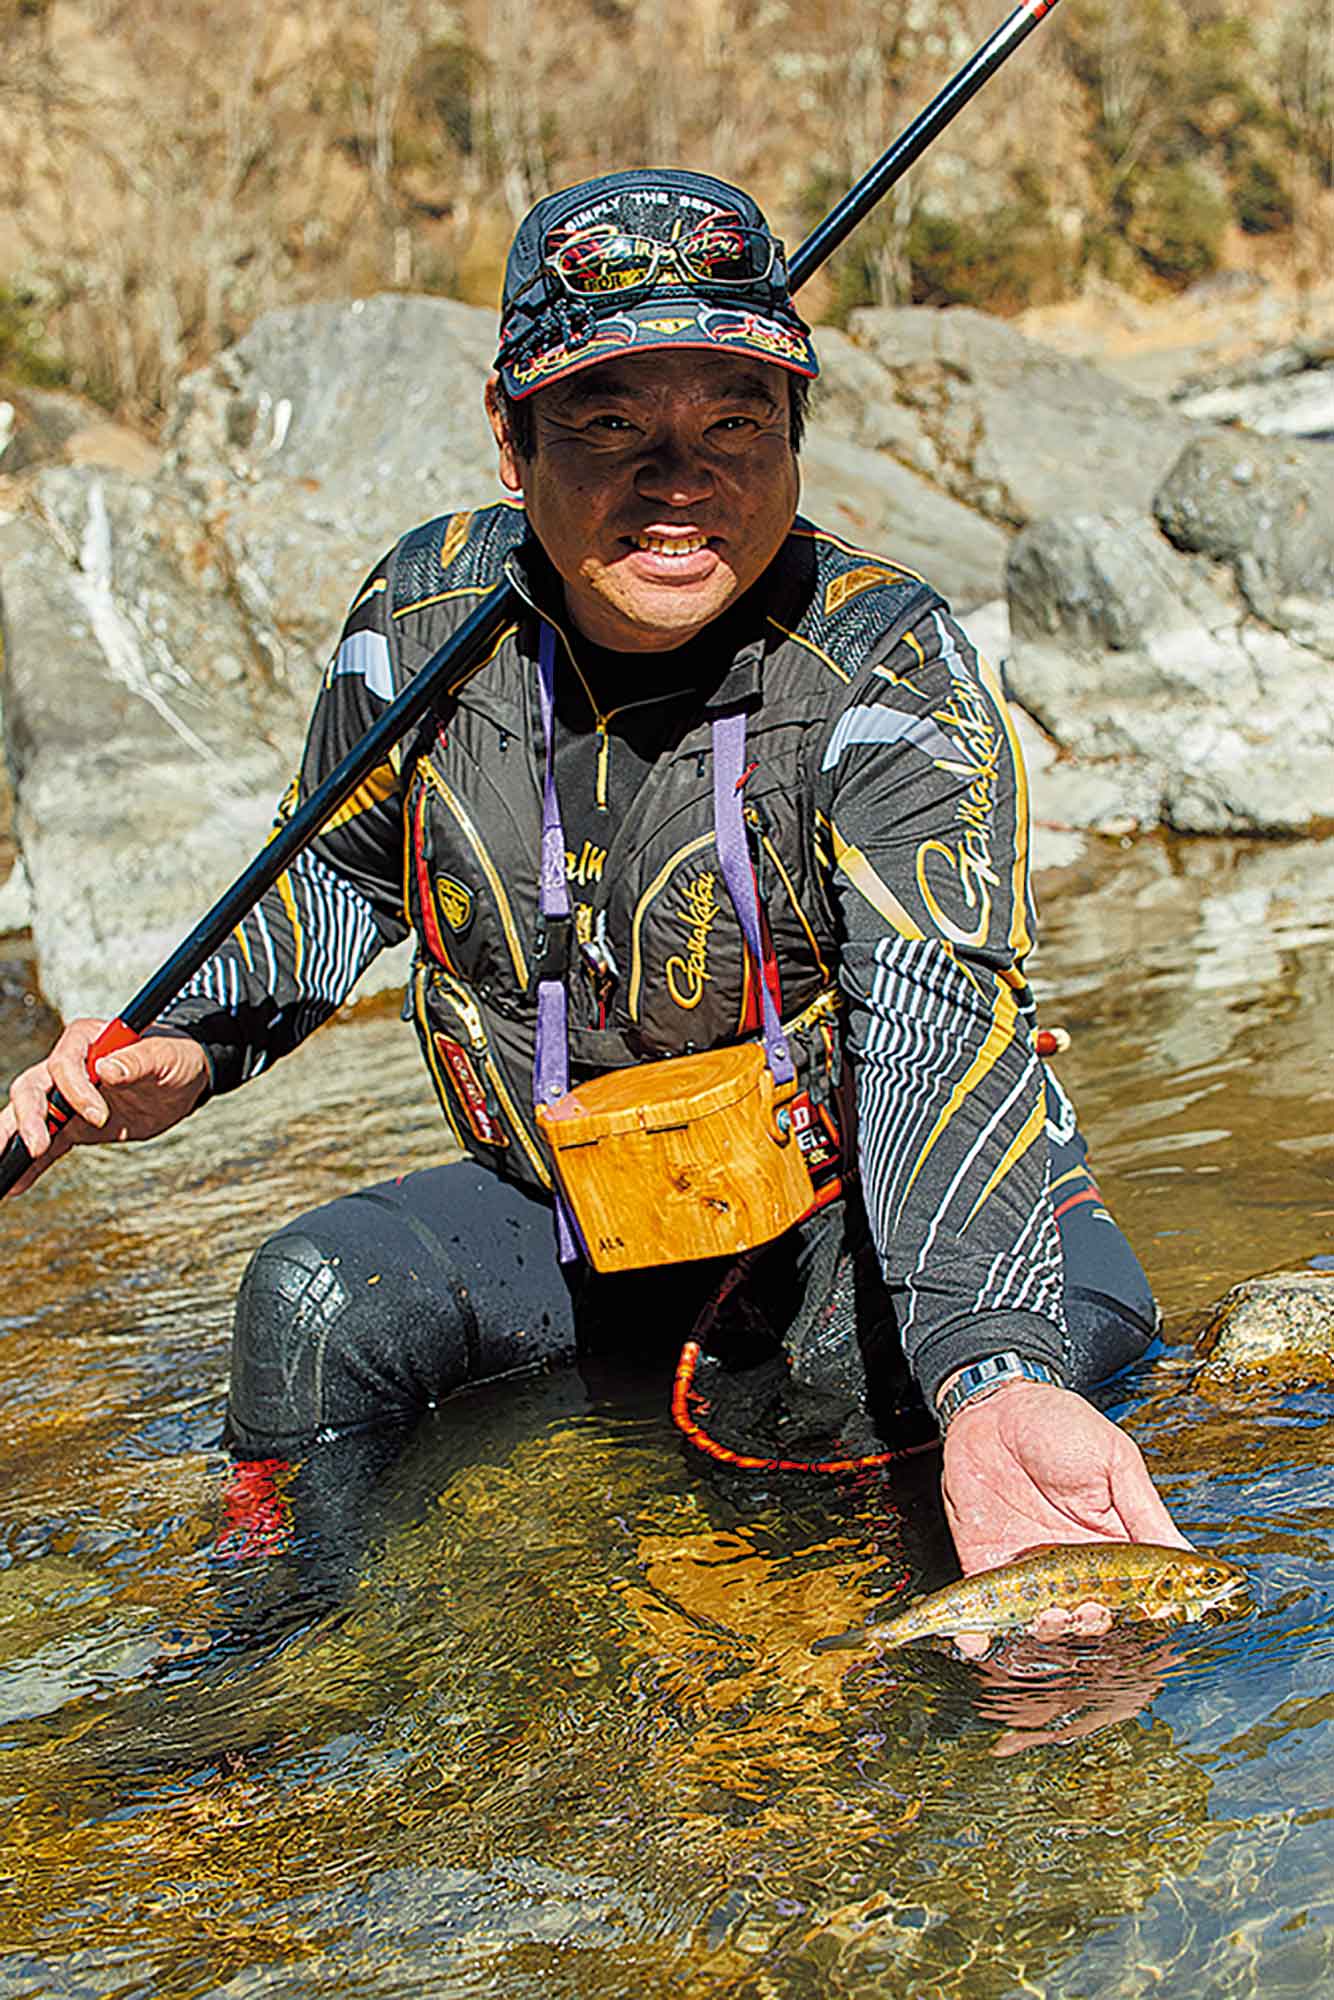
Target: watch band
983 1378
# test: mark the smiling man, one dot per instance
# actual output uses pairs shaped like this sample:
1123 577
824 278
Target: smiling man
648 404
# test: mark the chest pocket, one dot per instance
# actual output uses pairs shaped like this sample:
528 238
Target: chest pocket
462 886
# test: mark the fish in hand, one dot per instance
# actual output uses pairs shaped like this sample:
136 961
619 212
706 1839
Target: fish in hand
1133 1580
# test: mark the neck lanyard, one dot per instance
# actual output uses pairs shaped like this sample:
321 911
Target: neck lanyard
551 1065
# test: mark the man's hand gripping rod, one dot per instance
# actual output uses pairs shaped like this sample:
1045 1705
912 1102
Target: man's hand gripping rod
481 632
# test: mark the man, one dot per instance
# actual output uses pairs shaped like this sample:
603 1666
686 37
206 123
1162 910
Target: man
647 405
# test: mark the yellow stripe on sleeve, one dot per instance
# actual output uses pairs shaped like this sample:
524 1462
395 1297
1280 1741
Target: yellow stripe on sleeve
244 942
372 791
998 1038
288 894
1031 1130
868 884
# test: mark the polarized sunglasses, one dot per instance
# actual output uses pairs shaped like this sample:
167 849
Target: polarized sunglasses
605 259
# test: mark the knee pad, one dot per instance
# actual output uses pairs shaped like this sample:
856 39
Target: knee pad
290 1301
343 1322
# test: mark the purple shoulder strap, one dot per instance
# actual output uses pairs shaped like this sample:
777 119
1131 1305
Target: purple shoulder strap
551 1062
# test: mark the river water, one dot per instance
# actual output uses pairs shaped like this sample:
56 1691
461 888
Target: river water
557 1729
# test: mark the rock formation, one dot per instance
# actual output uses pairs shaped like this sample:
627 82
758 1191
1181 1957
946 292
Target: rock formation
1183 657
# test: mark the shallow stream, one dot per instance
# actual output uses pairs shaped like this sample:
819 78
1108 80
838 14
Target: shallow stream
561 1732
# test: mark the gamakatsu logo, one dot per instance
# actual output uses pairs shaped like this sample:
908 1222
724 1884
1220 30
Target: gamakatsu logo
965 871
688 973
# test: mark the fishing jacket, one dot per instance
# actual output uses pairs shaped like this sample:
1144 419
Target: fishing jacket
885 809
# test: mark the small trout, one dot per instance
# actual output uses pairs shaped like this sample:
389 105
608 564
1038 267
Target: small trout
1135 1580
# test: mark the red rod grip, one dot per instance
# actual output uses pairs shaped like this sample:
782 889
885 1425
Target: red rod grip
115 1035
16 1159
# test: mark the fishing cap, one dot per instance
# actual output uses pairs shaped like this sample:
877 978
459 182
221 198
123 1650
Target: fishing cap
654 257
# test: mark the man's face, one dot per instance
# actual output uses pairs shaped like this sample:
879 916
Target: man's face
662 485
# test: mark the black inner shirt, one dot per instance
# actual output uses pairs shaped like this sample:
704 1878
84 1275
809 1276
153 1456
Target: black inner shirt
614 719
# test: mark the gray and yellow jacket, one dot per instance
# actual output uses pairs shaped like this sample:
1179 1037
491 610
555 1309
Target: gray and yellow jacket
885 801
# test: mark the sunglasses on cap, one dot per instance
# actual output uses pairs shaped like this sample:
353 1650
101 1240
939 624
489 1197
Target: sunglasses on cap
607 261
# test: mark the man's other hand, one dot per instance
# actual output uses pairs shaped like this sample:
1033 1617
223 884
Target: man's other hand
140 1091
1032 1463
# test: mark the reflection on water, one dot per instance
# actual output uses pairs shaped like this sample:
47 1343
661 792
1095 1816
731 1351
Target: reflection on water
553 1727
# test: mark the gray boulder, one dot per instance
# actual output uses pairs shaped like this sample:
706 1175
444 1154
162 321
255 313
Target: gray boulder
164 636
1180 706
1101 582
1276 1330
1264 507
147 754
1010 428
311 445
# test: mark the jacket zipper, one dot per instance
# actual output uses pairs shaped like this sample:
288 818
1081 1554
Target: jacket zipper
471 1015
497 887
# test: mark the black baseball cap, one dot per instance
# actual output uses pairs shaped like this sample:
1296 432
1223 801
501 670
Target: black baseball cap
650 258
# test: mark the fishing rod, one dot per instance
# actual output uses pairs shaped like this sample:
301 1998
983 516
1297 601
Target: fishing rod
480 633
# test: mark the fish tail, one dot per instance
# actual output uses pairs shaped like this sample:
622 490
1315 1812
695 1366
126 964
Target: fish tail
842 1642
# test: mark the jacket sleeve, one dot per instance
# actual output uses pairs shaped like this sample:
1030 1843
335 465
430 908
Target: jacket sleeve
924 816
296 957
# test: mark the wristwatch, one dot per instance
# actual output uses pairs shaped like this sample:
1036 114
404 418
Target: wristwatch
985 1377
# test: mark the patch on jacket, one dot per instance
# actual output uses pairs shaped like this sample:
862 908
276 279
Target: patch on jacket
853 582
456 904
472 1092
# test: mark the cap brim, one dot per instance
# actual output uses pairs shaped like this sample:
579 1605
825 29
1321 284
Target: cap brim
655 324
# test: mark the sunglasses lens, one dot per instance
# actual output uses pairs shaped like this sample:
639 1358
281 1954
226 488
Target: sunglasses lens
610 261
723 255
601 262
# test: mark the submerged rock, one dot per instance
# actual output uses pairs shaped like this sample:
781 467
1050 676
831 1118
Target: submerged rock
1279 1329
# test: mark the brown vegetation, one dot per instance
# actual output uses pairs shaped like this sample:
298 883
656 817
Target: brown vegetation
179 165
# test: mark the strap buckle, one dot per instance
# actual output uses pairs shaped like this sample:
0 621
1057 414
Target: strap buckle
551 948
